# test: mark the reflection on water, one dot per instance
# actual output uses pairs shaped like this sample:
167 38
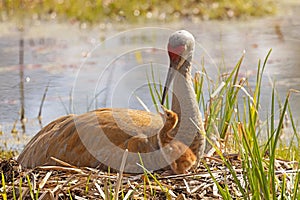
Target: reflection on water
84 71
21 80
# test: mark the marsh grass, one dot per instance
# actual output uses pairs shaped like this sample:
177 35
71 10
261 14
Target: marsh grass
6 153
244 165
135 11
3 193
227 117
156 90
148 177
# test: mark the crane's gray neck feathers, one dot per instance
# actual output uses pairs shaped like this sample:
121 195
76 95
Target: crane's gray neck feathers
185 105
184 98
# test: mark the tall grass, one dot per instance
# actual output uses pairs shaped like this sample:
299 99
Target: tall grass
3 193
233 110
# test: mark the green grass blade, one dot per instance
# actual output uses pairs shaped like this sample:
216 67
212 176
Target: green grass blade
272 146
223 192
294 127
30 187
152 93
146 178
230 98
4 195
158 95
20 189
37 193
296 193
13 187
167 103
228 165
87 184
165 190
283 187
70 195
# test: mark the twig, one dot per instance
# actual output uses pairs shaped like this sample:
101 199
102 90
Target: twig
187 186
142 103
42 102
99 190
128 194
62 162
198 175
47 195
45 179
60 168
119 180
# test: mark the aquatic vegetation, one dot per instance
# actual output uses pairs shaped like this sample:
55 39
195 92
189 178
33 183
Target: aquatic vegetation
135 11
7 153
239 164
239 128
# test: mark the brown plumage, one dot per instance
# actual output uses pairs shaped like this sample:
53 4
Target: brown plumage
138 144
98 138
84 140
179 155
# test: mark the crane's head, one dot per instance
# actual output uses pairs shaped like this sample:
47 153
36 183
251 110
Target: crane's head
180 49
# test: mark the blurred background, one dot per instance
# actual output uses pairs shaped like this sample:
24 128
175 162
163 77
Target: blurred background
67 56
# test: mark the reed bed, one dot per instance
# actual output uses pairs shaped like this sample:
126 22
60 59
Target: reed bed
69 182
240 163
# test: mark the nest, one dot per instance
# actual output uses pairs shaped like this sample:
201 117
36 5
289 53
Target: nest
69 182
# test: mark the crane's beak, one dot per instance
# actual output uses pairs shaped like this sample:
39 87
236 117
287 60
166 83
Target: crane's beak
170 76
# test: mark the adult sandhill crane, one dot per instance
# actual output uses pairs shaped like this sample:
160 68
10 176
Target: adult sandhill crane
93 138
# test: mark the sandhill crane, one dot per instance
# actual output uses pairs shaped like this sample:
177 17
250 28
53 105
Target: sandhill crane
179 155
94 138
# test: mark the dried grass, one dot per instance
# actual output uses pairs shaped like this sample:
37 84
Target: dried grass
69 182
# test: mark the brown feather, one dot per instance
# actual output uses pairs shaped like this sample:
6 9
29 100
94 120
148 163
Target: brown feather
84 140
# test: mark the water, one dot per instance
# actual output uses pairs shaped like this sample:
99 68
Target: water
79 64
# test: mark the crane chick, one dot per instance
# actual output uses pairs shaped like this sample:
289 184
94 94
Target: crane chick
175 152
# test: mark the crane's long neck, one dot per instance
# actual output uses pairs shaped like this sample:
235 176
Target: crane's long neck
185 105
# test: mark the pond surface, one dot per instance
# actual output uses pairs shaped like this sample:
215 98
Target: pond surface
107 65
